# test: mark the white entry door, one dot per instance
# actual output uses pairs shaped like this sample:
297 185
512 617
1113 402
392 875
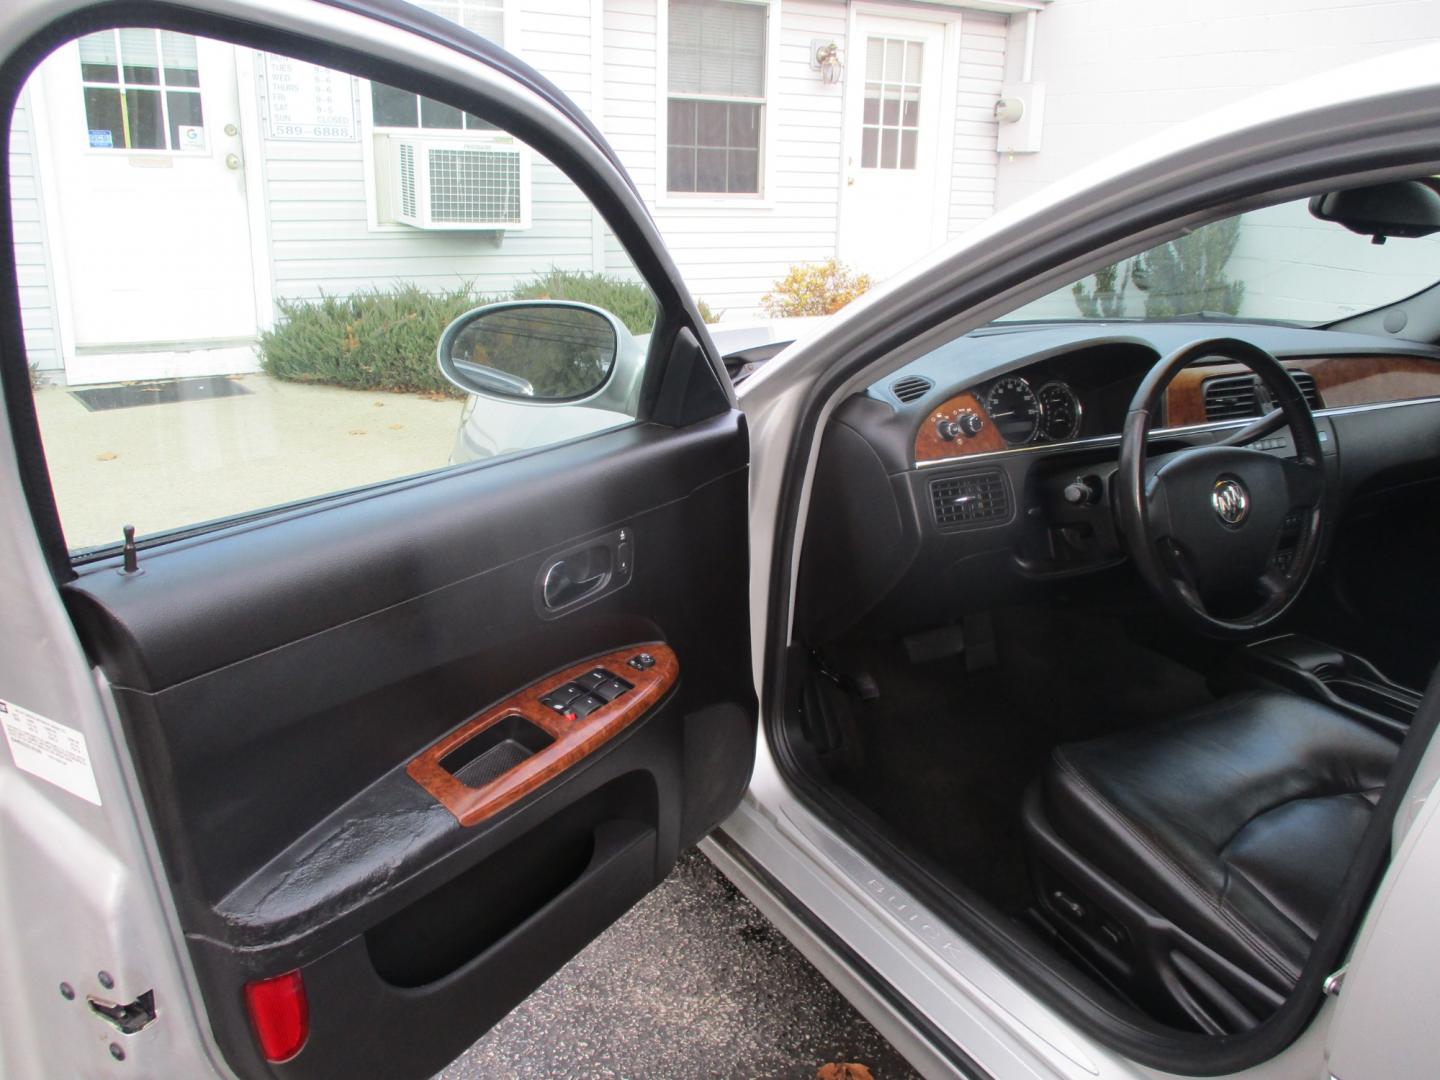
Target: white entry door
895 143
141 140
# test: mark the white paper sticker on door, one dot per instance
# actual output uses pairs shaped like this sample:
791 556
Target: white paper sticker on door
49 750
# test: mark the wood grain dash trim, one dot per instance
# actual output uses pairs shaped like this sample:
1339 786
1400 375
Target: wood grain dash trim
574 739
929 446
1340 380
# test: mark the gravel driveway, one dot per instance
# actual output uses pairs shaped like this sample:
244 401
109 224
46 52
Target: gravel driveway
694 982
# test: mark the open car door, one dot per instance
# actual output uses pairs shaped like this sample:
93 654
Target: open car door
342 736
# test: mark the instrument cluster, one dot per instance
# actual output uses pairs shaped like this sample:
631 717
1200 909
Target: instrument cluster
1024 414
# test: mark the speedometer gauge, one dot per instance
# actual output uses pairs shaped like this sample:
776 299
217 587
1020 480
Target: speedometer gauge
1014 409
1059 412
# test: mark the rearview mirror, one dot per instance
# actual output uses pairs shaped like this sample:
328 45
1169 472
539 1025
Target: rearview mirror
1408 208
531 350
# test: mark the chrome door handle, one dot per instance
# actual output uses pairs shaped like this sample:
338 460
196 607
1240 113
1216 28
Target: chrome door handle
565 583
590 569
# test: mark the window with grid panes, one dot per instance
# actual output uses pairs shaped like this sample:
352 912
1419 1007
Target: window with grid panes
396 108
141 89
716 109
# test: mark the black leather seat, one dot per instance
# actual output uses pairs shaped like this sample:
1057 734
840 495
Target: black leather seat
1195 860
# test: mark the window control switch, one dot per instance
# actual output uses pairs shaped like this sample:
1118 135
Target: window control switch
582 707
611 689
591 679
558 698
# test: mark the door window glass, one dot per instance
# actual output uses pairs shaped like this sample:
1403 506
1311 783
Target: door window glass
141 90
247 336
890 132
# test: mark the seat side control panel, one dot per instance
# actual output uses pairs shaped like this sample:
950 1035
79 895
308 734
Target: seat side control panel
503 753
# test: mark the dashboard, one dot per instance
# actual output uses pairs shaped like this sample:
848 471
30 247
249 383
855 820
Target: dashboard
982 470
1085 393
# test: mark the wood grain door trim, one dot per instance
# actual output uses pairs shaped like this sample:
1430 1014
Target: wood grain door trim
575 739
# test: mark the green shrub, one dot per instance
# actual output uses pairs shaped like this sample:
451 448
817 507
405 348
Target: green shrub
814 289
377 339
384 339
628 301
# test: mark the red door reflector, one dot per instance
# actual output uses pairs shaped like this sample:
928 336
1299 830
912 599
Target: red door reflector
280 1014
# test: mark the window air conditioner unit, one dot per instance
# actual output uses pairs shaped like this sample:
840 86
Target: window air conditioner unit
480 181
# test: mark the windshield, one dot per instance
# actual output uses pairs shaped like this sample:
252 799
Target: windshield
1279 264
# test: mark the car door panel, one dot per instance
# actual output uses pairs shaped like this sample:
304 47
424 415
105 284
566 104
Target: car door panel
276 679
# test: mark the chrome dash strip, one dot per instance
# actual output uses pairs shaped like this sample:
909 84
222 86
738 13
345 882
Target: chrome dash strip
1114 440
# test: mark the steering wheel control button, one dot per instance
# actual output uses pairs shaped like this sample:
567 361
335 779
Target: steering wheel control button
641 661
1231 502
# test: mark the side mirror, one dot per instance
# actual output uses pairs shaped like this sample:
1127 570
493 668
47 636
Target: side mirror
531 350
1407 208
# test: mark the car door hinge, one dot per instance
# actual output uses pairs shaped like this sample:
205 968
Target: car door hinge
1332 983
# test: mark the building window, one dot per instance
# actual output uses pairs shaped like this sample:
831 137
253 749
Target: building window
716 108
142 90
395 108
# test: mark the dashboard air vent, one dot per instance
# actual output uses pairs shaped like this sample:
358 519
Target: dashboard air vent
1306 382
1239 397
910 387
1231 398
971 500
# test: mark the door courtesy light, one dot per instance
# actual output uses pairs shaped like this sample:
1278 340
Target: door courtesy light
280 1014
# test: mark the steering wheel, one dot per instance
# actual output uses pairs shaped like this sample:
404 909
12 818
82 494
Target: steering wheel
1206 522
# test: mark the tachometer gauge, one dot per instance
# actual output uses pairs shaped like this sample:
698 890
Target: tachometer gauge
1059 412
1014 409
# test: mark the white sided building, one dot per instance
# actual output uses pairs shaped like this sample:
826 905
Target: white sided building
762 134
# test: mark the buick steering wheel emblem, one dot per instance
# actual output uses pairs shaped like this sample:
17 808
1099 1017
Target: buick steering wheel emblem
1231 501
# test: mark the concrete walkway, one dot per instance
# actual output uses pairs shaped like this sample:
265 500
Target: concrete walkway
162 466
694 982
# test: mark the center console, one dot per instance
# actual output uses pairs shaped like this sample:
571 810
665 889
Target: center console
1333 676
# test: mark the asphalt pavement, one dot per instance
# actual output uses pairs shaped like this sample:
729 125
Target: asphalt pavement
694 982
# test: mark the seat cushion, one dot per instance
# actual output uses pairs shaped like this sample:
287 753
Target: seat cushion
1236 821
